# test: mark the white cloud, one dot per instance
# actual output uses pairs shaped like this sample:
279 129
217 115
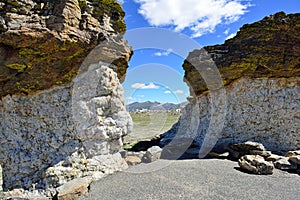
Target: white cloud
200 16
130 98
121 1
226 32
144 86
231 36
164 53
178 92
168 92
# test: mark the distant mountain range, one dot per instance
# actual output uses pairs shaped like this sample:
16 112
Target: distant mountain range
154 106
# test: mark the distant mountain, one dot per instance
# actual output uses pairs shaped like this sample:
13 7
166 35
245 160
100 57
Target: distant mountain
154 106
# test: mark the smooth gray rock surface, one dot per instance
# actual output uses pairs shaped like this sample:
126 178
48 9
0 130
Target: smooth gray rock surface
195 179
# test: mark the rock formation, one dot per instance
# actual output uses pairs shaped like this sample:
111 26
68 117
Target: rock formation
261 98
43 43
265 49
62 106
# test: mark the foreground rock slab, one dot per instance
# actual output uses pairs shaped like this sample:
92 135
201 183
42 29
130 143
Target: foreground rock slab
194 179
256 164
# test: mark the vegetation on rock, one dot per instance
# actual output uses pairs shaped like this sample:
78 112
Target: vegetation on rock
39 65
113 9
39 58
268 48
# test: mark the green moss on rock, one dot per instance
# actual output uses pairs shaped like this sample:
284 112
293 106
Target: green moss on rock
32 61
43 63
83 5
268 48
14 3
18 67
113 9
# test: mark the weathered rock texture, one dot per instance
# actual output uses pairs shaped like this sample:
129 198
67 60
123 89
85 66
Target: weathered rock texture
44 42
256 164
260 69
268 48
55 127
62 133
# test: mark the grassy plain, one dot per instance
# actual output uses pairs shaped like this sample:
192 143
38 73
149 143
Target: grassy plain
150 124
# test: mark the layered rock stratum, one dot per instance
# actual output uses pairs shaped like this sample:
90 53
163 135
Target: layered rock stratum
43 43
259 99
62 106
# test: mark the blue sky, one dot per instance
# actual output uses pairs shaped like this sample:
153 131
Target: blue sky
155 71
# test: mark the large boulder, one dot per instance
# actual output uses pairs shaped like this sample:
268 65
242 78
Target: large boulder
260 98
259 50
61 100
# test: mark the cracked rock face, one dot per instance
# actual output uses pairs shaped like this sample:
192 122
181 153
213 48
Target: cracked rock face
44 42
63 133
261 110
61 99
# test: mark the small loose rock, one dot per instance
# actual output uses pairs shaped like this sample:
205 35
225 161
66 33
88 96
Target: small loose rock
152 154
133 160
295 159
284 164
256 164
274 158
292 153
74 188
